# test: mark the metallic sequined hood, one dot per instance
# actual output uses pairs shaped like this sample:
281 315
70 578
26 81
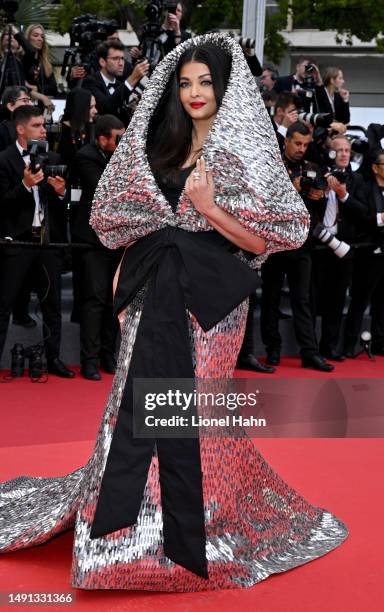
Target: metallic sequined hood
251 181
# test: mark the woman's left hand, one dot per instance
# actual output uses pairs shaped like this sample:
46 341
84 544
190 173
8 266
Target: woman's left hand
200 188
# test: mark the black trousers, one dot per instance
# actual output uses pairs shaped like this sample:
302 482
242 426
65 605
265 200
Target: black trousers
98 326
248 345
18 263
367 277
297 265
331 278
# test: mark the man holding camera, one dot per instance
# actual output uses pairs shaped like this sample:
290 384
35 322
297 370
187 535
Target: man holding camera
112 96
346 209
295 264
98 326
172 27
32 209
295 82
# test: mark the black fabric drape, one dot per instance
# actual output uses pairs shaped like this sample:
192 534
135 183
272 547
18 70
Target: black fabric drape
185 270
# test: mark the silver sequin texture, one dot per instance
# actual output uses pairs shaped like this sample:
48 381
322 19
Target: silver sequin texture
256 525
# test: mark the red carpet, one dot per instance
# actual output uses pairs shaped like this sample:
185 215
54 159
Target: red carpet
48 429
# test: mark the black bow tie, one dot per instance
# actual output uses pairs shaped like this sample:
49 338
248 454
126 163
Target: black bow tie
111 86
24 153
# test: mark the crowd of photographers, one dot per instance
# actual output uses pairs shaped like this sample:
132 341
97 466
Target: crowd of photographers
49 173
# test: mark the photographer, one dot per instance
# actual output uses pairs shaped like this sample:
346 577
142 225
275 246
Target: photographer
346 209
172 27
331 97
112 96
285 114
32 207
296 82
296 264
11 65
268 78
368 271
13 97
98 326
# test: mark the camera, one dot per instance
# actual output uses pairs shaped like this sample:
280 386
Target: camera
38 152
339 247
317 119
85 34
340 175
311 179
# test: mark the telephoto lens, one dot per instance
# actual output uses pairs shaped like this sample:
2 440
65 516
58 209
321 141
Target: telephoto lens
17 360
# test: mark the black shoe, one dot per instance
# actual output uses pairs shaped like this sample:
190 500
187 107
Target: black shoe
349 353
108 364
333 356
90 371
57 367
273 357
26 322
316 362
249 362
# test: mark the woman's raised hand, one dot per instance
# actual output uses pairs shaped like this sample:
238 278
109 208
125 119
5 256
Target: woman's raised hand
200 188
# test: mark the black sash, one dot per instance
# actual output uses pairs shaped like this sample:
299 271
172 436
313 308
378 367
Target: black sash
185 270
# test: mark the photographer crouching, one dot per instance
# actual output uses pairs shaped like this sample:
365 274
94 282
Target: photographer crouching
346 209
33 210
98 326
297 264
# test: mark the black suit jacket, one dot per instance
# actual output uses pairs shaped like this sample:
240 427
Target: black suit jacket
7 133
355 211
105 102
17 204
370 231
90 163
284 83
323 105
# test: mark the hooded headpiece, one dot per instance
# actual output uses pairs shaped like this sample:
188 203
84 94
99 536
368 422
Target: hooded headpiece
250 179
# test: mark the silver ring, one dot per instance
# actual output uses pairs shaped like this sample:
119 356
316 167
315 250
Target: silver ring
196 176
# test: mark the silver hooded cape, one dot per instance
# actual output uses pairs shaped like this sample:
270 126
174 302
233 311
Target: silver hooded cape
251 181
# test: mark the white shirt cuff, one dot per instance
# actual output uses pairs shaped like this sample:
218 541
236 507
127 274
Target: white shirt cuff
344 199
282 130
27 188
129 86
380 221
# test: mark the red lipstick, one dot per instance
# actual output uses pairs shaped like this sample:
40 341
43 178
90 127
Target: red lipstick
197 104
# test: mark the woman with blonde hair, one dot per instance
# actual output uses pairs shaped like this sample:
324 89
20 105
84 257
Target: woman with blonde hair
37 64
332 97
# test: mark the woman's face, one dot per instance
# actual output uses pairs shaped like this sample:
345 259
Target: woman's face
36 38
92 109
338 81
196 91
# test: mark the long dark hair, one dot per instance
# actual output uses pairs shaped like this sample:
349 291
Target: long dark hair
169 138
77 109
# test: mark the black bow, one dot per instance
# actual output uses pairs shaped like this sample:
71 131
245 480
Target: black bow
25 153
111 86
185 270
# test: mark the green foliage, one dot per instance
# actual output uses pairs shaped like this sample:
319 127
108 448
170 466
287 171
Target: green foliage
217 14
364 19
31 11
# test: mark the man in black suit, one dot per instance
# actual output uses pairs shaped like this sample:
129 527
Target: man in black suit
112 96
346 210
32 208
294 82
368 272
98 327
296 264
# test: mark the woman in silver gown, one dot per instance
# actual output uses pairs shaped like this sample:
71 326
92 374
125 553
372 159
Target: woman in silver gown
182 515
